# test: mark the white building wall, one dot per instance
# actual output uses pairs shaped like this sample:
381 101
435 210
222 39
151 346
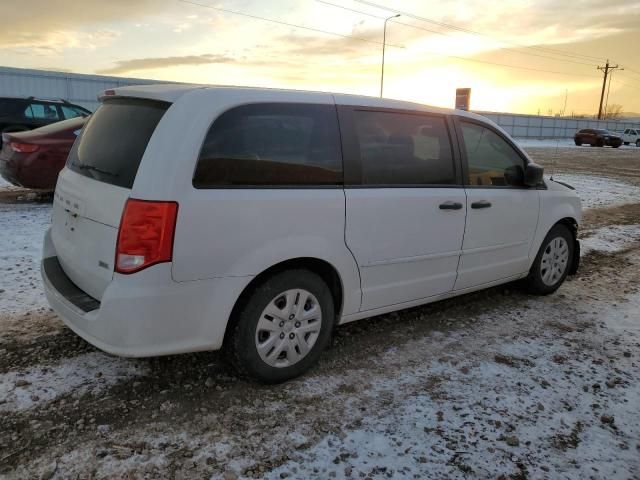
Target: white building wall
76 88
534 126
83 90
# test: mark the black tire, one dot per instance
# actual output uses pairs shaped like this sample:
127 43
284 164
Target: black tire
626 143
534 282
637 143
579 144
241 342
615 146
600 143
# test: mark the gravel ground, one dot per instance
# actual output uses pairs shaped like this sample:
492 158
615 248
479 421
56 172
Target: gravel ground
496 384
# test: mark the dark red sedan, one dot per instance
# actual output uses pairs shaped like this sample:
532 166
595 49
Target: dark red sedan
33 159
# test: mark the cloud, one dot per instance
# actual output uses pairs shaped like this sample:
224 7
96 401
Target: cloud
136 64
56 24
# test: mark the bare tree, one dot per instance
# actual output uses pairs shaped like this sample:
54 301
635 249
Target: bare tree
613 111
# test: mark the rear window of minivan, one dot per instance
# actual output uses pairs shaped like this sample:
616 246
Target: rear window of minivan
112 143
271 144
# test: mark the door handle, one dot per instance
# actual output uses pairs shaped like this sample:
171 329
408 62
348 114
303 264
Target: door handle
481 204
450 206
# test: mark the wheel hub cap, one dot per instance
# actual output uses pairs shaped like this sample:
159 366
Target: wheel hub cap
288 328
555 260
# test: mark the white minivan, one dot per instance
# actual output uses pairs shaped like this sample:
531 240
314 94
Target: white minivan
254 220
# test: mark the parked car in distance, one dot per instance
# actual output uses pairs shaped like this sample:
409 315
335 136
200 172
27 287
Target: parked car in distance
597 138
34 158
256 220
20 114
631 135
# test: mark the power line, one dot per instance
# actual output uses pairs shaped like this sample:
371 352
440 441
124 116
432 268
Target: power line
626 84
630 77
449 35
279 22
520 68
632 70
466 30
380 17
459 57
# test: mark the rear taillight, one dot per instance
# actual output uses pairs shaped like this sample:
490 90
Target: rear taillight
23 147
146 234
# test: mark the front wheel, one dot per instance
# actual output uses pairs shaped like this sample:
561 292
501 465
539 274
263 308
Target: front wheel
552 264
282 327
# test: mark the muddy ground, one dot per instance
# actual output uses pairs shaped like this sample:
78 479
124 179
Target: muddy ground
496 384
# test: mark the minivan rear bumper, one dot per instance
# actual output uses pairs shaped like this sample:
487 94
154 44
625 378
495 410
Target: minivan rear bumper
145 314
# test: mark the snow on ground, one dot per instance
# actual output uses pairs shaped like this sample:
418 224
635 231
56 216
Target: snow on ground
598 192
529 406
611 238
77 376
545 143
22 228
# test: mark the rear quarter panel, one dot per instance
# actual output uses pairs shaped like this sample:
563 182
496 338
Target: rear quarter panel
240 232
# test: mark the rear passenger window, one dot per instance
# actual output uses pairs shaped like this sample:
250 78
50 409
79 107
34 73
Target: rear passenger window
403 149
492 161
271 144
42 111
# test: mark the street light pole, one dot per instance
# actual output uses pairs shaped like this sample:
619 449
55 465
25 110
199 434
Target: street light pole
384 41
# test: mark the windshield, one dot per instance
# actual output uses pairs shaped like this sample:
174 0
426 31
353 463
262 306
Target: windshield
113 141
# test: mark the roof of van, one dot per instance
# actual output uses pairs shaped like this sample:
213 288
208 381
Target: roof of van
171 92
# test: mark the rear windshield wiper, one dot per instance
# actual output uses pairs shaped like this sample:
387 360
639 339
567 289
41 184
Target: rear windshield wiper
84 166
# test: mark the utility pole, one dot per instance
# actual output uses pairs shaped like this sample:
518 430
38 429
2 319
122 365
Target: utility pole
384 41
606 69
606 102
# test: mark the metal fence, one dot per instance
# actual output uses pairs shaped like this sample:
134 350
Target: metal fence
83 90
534 126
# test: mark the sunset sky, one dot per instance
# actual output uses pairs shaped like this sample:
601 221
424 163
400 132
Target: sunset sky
190 42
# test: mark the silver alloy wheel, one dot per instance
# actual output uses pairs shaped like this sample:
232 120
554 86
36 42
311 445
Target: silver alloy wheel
555 260
288 328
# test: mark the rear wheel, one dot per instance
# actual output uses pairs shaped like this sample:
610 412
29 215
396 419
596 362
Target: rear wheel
552 264
283 327
600 143
578 143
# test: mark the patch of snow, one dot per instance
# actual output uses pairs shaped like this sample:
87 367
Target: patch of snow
22 230
611 238
537 417
598 192
87 373
545 142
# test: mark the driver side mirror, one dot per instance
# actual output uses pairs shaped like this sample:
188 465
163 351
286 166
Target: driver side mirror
533 175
